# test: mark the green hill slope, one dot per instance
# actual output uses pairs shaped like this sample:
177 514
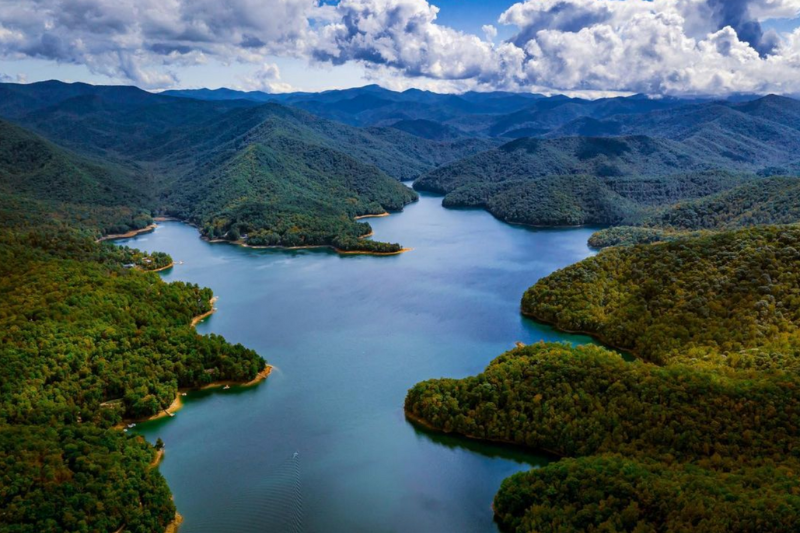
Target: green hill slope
81 350
707 442
756 202
44 183
727 298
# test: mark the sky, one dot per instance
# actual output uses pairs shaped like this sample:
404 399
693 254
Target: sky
583 47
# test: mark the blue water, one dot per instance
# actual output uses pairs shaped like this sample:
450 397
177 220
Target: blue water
323 445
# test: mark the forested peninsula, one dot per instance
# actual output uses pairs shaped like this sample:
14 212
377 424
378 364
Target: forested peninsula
701 433
87 343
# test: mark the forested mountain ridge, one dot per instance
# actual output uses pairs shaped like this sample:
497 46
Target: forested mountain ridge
35 167
755 202
726 298
741 139
315 175
534 181
40 181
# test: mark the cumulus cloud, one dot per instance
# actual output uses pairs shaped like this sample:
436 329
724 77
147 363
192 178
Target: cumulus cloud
659 46
137 39
598 46
266 78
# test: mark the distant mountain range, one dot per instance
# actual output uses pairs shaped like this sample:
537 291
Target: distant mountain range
296 169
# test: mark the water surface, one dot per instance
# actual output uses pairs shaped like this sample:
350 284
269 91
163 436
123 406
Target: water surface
322 445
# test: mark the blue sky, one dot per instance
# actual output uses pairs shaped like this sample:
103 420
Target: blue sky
591 47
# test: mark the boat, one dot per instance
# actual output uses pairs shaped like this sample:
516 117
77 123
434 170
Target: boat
226 387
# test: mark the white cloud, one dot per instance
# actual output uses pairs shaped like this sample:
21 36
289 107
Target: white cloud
266 78
596 46
490 32
138 39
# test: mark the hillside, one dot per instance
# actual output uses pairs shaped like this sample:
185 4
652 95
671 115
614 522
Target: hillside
751 135
281 191
727 298
528 158
32 166
755 202
706 442
734 140
77 358
40 181
550 181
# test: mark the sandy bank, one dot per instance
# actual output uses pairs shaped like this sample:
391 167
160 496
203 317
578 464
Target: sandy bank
365 252
157 460
162 268
199 318
261 376
172 527
379 215
128 235
173 408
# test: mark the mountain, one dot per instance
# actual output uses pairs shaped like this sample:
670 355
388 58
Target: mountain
755 134
35 167
42 182
643 156
428 129
277 174
755 202
375 106
554 181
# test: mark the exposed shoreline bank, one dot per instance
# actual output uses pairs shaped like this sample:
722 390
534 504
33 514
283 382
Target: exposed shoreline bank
199 318
162 268
379 215
128 235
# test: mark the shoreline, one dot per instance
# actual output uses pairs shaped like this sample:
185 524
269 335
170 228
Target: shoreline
199 318
162 268
416 420
261 376
177 403
128 235
379 215
173 526
308 247
159 457
596 336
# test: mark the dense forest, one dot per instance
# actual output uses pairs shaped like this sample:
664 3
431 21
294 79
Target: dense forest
729 298
654 155
774 200
86 344
700 434
233 168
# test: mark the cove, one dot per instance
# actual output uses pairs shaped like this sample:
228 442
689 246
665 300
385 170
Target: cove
323 444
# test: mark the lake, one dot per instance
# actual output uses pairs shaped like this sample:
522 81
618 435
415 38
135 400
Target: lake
322 445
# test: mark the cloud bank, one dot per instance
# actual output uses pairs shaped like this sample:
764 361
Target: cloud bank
649 46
